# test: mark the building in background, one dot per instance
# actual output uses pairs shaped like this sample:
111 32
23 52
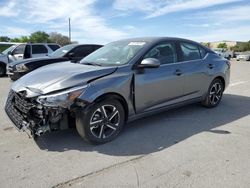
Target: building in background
229 44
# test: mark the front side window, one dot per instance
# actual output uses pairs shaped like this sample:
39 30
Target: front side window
164 52
19 49
189 52
39 49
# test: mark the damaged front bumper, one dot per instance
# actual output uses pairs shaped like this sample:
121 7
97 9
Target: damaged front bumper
33 118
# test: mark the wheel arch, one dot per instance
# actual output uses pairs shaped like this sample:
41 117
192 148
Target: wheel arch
2 64
117 96
222 80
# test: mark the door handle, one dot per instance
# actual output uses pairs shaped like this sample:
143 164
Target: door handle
211 66
178 72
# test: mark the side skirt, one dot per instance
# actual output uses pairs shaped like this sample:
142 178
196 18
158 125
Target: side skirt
162 109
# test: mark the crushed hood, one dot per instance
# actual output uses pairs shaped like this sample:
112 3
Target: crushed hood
55 77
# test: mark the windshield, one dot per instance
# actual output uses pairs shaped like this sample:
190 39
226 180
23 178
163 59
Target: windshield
114 54
9 49
62 51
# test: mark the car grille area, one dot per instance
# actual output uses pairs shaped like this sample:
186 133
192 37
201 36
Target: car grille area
17 108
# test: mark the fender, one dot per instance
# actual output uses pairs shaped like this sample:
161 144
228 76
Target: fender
120 83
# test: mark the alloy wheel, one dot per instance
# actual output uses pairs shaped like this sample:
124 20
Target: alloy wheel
215 93
104 121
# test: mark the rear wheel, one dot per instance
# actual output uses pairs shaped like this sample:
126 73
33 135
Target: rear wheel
2 70
101 122
214 94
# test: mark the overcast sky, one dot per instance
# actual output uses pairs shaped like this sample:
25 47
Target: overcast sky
102 21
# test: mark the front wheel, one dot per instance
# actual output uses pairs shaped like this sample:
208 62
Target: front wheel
214 94
101 122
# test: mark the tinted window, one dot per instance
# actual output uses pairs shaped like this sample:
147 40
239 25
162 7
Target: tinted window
96 47
165 53
19 49
82 51
53 47
189 52
39 49
203 52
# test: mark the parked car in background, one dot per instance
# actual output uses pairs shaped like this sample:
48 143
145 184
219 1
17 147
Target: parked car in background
120 82
224 53
25 51
245 56
72 52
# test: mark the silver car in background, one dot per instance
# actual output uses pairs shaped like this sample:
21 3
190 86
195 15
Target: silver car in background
244 56
120 82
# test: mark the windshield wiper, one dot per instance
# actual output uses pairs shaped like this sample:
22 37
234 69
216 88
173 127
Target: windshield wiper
94 64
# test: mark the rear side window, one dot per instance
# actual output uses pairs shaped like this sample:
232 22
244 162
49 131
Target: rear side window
82 51
54 47
189 52
39 49
203 52
164 52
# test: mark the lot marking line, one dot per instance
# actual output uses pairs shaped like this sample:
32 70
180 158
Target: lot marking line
237 83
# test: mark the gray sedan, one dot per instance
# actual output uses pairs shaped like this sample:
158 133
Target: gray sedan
119 82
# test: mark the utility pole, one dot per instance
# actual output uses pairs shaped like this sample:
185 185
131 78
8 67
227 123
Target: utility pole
69 31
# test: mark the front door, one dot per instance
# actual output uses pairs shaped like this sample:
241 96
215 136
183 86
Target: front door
158 87
18 52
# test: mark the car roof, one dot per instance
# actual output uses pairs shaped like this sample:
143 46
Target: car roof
162 39
157 39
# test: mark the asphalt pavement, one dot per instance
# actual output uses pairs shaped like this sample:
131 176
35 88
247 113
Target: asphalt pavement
191 146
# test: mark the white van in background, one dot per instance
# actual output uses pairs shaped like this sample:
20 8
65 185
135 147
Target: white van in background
25 51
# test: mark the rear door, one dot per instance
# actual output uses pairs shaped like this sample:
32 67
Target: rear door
194 69
38 50
159 87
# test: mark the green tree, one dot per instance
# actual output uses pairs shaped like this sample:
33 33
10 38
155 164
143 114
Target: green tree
39 36
222 45
4 39
24 39
207 44
59 38
15 40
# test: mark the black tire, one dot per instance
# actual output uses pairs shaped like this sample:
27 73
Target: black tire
101 122
2 70
214 94
13 78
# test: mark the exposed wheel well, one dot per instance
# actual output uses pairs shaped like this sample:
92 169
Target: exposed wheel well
4 66
222 80
117 97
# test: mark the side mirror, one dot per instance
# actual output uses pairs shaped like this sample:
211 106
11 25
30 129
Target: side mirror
149 63
71 55
10 53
